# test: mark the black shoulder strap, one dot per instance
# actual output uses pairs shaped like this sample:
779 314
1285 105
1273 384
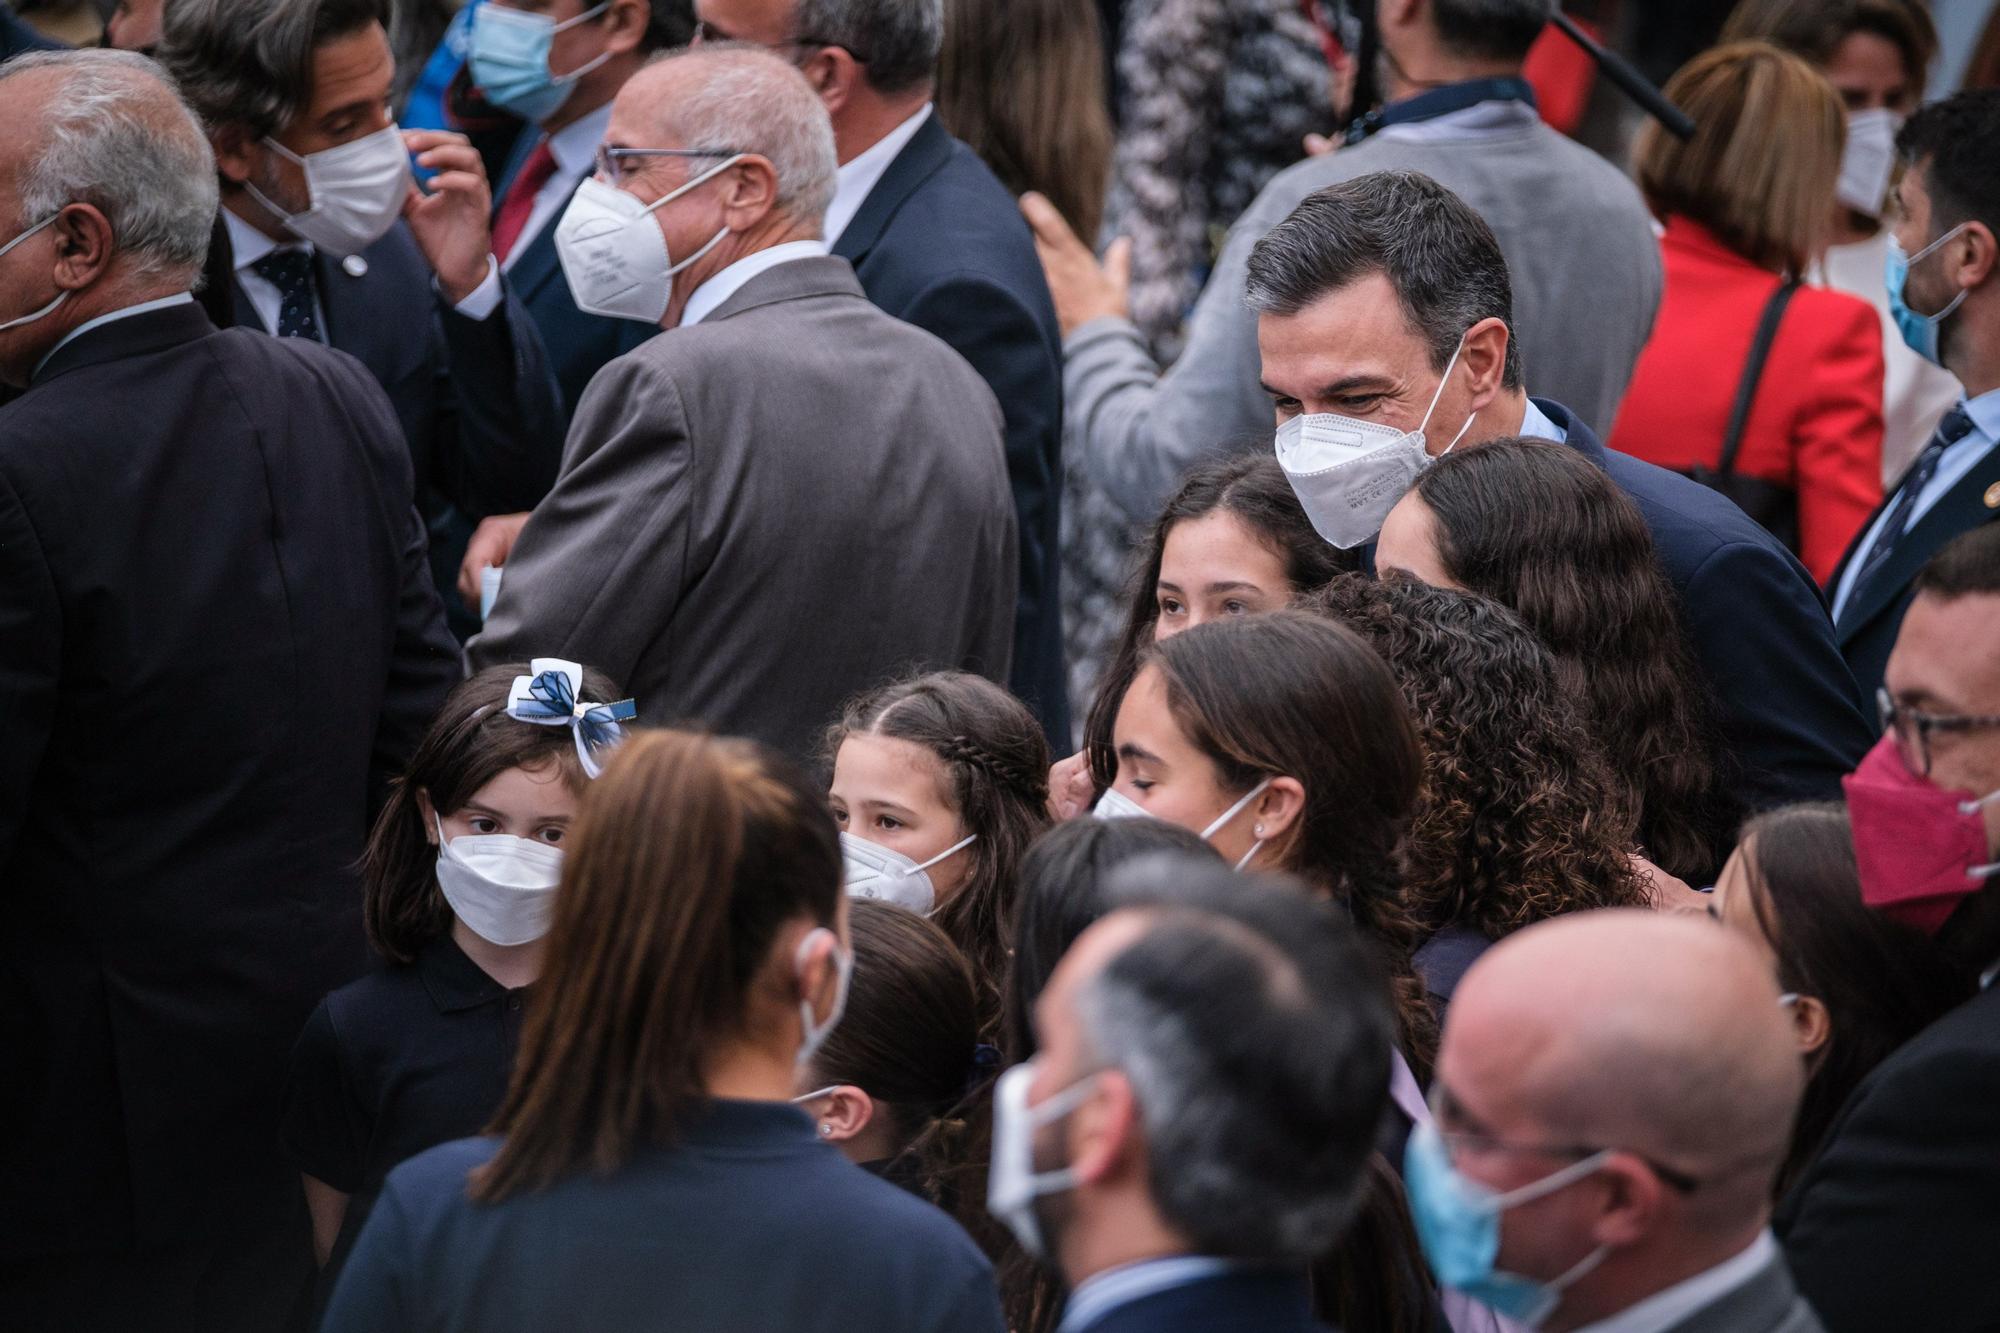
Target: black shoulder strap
1753 370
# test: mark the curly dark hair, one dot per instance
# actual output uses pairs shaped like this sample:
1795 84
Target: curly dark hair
1520 819
1543 531
1251 488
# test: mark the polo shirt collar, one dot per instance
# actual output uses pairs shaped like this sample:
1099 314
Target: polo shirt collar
455 983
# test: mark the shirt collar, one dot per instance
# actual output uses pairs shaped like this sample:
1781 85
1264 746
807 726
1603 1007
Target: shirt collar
1665 1309
1985 413
708 297
574 146
1536 425
454 981
247 245
1452 99
855 179
1101 1293
144 307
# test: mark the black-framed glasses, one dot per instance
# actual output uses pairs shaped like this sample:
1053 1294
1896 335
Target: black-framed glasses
1912 728
611 162
704 31
1576 1152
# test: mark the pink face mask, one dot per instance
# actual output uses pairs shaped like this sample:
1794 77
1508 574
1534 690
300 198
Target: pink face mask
1920 849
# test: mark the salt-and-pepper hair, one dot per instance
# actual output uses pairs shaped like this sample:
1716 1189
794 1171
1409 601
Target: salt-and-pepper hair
898 41
250 62
746 100
117 137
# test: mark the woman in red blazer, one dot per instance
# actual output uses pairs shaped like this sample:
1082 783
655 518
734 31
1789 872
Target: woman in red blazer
1744 204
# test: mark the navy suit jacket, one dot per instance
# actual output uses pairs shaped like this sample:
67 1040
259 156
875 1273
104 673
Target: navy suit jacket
1868 624
579 344
1789 709
1229 1303
939 243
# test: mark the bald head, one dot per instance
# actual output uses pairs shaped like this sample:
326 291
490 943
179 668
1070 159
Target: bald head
745 100
1660 1035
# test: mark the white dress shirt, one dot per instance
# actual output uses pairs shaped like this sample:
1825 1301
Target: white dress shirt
1101 1293
144 307
708 297
1664 1309
1957 460
1535 425
858 177
574 147
248 245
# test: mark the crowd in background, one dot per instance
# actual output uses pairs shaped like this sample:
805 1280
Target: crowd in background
1000 665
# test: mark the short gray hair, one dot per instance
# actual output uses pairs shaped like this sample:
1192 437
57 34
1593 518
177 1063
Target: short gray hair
1490 29
250 62
749 101
117 138
896 40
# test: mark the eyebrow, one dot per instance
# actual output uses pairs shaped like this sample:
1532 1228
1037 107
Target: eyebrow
474 807
891 807
1345 384
1130 751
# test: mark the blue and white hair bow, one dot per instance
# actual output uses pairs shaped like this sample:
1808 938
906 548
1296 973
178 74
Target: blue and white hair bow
550 695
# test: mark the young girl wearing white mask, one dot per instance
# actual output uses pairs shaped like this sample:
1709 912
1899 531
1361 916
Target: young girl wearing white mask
460 878
939 784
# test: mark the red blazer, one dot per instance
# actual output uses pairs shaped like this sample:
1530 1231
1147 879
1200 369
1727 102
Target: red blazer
1816 423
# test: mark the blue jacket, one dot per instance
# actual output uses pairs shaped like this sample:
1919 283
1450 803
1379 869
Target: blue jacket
939 243
1789 709
1243 1302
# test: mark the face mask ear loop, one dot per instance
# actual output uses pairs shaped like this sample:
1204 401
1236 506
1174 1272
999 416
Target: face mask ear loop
1443 380
950 851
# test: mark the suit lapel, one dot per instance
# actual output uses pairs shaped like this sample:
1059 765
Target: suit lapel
1854 547
539 263
927 151
1959 509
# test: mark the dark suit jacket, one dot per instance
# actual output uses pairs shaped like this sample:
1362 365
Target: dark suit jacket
1790 712
1248 1302
1872 617
215 626
765 513
578 344
1896 1223
939 242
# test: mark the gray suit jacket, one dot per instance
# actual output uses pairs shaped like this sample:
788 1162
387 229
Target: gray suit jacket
1767 1303
764 513
1579 245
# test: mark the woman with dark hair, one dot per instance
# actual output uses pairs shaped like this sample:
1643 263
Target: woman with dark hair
1860 983
647 1163
939 784
1233 541
1520 819
1538 528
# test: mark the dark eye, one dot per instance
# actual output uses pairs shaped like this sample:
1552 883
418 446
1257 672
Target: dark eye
1235 608
553 835
840 815
481 824
888 823
1171 606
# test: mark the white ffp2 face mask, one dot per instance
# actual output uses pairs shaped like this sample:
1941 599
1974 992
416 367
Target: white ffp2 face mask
355 192
1115 804
614 255
1348 473
502 887
878 872
1012 1184
1868 160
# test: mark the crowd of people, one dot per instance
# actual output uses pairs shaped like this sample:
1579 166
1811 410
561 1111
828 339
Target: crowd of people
995 665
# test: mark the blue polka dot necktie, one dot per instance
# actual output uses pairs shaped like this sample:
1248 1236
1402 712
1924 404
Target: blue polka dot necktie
291 272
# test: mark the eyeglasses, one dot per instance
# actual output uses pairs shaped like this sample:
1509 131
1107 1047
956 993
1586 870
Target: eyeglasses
611 162
1913 728
1455 1139
704 31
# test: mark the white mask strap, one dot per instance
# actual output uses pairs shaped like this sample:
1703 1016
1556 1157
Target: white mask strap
1443 380
1549 1184
703 178
30 231
952 850
585 16
1221 821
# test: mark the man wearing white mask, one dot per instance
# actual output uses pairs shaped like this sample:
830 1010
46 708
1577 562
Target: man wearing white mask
788 496
332 239
1385 328
1212 1067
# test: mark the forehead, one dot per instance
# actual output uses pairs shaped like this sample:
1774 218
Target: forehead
1865 59
357 67
21 95
1217 538
1357 330
638 118
1950 650
885 761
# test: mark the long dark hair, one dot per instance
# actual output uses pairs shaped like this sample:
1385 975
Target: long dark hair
471 741
1295 694
1520 819
690 856
1882 981
1252 489
1540 529
996 762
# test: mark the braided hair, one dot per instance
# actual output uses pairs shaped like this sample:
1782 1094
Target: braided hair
995 776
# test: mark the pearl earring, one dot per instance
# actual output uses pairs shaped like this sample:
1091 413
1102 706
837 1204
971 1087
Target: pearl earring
826 1131
1257 831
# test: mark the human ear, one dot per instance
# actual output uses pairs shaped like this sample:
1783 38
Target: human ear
625 26
750 192
1104 1131
843 1112
1813 1025
1279 809
84 245
1485 357
1633 1197
237 153
430 814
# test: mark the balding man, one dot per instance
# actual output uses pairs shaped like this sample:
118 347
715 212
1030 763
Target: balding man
215 622
1613 1098
788 495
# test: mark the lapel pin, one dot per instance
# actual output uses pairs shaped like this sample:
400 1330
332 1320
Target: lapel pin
1993 496
354 266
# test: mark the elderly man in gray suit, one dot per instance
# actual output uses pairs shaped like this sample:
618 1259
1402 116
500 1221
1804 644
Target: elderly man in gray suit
1614 1096
788 495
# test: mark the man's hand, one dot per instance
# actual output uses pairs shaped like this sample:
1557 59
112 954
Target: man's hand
452 222
491 544
1083 288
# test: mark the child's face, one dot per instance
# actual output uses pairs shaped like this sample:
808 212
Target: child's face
532 803
892 793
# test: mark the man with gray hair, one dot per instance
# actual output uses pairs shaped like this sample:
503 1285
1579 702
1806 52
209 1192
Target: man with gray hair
1614 1097
1212 1069
787 496
216 631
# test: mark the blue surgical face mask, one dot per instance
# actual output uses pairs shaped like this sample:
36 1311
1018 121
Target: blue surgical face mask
510 59
1919 331
1458 1222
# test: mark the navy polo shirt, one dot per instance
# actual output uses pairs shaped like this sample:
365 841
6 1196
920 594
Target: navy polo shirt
399 1061
747 1223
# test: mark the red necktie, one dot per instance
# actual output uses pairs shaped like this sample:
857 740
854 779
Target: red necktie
519 201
